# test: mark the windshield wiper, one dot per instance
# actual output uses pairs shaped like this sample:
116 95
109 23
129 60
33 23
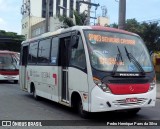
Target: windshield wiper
134 61
119 56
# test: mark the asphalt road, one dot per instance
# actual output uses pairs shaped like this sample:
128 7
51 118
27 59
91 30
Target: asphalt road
19 105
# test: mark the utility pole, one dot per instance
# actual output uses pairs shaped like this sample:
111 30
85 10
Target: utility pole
90 4
122 14
47 15
89 9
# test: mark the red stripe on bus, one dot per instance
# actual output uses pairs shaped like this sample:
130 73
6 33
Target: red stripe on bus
9 72
121 89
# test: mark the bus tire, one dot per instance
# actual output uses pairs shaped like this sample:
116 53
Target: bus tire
36 97
133 111
81 112
15 81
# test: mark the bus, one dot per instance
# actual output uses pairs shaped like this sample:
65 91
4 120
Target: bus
89 68
9 66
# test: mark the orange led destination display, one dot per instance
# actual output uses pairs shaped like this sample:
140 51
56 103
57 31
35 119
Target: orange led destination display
107 39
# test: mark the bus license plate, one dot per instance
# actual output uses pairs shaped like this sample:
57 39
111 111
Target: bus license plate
10 77
131 100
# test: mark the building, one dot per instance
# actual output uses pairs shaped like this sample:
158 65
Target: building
34 13
103 21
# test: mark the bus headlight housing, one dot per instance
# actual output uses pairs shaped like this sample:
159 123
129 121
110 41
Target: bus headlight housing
101 85
152 84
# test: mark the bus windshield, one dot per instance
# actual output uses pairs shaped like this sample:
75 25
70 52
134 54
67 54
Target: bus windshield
7 62
109 49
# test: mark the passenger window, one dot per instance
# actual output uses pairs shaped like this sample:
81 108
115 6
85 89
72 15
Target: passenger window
32 57
44 51
54 50
78 55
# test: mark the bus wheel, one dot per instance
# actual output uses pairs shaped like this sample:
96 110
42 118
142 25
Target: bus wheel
15 81
35 94
133 111
81 112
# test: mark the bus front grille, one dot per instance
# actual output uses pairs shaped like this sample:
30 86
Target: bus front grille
122 102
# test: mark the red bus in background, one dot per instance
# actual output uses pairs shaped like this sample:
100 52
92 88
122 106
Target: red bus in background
9 66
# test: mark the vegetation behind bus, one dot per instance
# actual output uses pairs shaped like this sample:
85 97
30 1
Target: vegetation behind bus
149 32
10 41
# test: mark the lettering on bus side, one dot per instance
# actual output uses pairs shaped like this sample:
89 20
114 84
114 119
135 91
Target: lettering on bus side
45 74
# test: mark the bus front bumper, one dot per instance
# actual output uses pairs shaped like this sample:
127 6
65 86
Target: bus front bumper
101 101
9 77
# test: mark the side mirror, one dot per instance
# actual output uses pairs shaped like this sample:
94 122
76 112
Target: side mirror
75 40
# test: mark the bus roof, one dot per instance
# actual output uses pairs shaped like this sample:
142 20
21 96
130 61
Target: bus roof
62 30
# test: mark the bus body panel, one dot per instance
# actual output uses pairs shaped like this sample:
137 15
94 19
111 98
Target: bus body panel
23 78
117 102
78 81
45 80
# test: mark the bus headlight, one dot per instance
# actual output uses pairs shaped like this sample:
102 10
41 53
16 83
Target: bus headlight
101 85
152 84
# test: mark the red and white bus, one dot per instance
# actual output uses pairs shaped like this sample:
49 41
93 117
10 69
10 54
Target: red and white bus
91 68
9 66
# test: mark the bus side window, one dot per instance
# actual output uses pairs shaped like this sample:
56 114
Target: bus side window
44 51
54 50
78 55
32 57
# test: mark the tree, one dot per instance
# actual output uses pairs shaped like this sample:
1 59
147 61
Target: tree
80 19
150 35
150 32
10 41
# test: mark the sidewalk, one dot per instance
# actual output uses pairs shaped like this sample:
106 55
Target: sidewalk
158 90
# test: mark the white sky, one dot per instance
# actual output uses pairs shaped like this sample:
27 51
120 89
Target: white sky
10 17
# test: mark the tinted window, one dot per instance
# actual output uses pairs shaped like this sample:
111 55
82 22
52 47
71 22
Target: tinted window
78 56
44 51
54 50
32 58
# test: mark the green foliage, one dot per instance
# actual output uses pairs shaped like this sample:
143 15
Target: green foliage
149 32
79 19
114 25
68 22
11 42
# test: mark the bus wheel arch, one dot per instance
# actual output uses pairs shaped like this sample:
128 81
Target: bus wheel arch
76 103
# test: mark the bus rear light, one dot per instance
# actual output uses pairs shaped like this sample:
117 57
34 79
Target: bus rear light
101 85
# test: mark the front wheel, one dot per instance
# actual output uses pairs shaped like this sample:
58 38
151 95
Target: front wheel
81 112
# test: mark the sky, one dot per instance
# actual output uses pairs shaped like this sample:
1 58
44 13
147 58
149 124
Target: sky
141 10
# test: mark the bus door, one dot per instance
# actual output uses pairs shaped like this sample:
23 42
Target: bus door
64 62
23 67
